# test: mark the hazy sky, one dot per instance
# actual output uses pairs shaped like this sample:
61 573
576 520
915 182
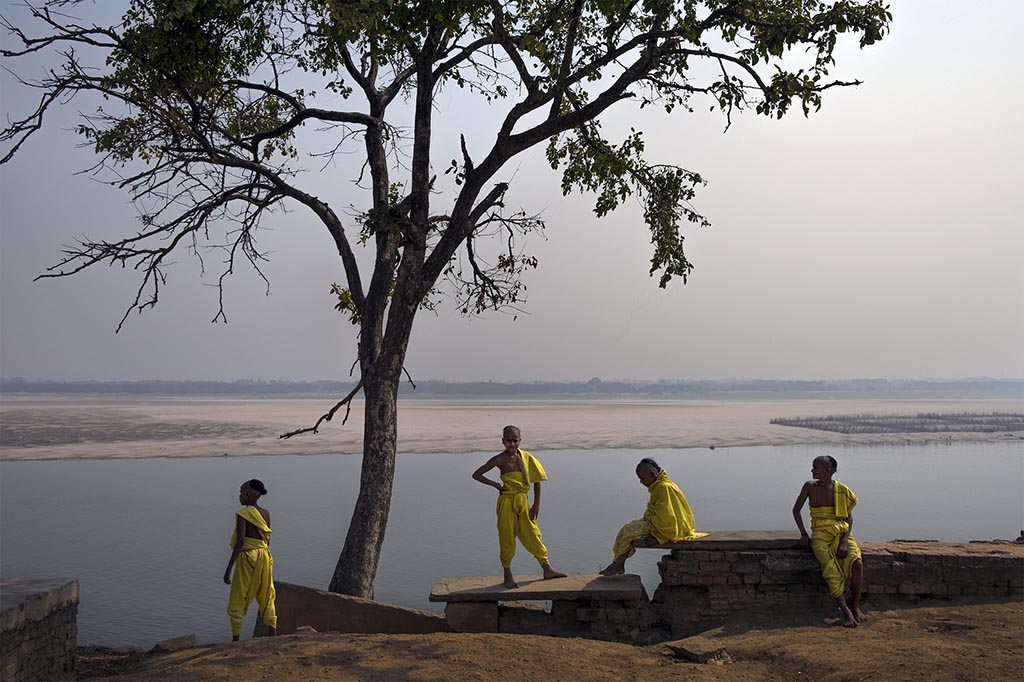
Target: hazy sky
881 237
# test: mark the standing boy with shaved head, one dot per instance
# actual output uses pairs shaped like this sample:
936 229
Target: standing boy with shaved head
516 518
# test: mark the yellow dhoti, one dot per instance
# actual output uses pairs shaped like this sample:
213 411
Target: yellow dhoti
634 530
514 521
253 577
828 524
668 518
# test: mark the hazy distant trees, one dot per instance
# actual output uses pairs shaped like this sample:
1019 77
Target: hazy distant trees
760 389
201 103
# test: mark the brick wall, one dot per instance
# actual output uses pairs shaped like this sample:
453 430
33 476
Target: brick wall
702 587
38 629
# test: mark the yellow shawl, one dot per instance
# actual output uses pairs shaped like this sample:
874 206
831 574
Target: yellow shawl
251 515
845 500
668 513
531 468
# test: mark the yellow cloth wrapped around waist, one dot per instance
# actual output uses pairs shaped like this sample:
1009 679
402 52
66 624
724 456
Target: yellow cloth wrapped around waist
514 484
250 544
825 519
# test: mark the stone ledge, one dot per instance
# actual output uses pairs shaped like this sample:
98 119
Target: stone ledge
905 550
24 599
738 540
299 606
575 587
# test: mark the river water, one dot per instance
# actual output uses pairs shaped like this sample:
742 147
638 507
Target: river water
147 539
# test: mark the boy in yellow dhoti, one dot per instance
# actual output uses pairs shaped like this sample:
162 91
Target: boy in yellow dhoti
668 517
831 539
254 567
516 518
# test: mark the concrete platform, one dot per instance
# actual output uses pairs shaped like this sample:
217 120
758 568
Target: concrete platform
625 588
24 599
738 540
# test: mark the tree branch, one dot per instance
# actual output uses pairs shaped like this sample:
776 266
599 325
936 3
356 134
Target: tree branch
329 415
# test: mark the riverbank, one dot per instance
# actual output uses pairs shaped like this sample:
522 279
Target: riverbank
936 642
103 427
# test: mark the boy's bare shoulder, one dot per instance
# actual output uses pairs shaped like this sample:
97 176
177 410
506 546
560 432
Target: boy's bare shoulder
500 460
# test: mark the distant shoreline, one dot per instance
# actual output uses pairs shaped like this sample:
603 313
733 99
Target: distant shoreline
40 427
595 388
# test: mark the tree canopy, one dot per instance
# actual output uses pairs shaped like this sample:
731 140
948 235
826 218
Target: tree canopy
211 113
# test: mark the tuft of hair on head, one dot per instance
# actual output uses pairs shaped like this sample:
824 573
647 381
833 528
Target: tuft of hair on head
648 462
510 431
257 485
829 461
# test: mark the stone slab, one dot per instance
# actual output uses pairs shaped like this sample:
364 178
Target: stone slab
741 540
299 606
24 599
626 588
698 649
174 644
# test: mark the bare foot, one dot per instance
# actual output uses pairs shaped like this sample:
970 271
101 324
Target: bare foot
849 622
550 573
613 569
510 582
859 616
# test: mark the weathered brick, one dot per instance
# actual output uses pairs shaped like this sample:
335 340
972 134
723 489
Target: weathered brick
472 617
908 587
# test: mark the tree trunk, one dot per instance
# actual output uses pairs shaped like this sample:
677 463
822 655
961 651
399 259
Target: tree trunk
357 564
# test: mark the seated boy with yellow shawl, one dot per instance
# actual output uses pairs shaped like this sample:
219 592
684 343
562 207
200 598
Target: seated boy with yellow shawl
831 539
668 518
251 559
516 518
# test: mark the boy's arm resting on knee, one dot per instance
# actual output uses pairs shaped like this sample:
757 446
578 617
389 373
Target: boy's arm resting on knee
805 539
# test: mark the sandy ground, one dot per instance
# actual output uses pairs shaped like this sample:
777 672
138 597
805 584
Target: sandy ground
936 644
33 427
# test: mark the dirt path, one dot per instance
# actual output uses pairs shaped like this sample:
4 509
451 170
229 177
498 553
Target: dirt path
933 643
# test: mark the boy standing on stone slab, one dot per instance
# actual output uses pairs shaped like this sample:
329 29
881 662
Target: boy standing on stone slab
831 504
516 518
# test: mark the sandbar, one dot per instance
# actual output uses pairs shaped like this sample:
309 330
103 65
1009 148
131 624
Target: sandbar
78 427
